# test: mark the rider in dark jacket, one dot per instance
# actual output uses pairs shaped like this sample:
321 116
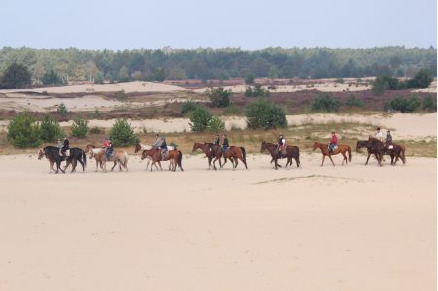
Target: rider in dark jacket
225 144
65 147
388 140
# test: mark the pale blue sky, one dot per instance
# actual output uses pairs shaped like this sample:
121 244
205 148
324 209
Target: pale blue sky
249 25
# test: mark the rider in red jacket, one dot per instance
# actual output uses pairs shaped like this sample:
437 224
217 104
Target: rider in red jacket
333 142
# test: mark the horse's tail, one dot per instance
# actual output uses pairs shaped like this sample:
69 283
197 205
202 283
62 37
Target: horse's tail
244 156
179 160
298 157
84 157
349 153
402 153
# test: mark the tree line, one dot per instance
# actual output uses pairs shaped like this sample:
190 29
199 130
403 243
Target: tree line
58 66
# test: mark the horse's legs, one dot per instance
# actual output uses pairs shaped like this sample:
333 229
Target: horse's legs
330 156
225 161
82 163
58 167
214 162
344 159
234 162
52 163
323 158
369 154
74 164
209 161
174 162
115 164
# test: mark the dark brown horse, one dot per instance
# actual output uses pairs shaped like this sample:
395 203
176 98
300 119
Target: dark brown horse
174 156
377 148
52 154
292 152
342 149
210 150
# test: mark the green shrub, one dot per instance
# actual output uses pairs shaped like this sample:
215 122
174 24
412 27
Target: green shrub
173 144
403 105
325 102
122 134
219 97
354 101
421 80
23 131
263 114
429 103
256 91
199 119
79 127
383 83
232 110
62 109
249 80
215 124
50 129
188 106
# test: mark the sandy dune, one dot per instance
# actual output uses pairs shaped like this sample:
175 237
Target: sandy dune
349 227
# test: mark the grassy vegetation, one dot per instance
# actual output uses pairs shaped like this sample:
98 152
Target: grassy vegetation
303 136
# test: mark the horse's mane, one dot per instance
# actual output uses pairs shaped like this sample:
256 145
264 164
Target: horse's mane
374 140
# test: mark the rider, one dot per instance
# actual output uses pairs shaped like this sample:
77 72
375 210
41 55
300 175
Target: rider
281 144
108 145
59 144
65 147
160 143
388 140
216 139
333 142
379 135
225 144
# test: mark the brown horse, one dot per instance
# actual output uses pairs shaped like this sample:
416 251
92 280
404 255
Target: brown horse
174 156
291 152
234 153
99 154
210 150
342 148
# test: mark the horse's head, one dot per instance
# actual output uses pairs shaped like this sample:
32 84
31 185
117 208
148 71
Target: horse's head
137 148
315 145
263 147
88 147
359 145
144 154
195 147
40 154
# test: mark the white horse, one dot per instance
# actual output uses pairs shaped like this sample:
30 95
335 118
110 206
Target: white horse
99 154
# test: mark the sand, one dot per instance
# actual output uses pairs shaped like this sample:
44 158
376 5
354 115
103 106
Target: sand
349 227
